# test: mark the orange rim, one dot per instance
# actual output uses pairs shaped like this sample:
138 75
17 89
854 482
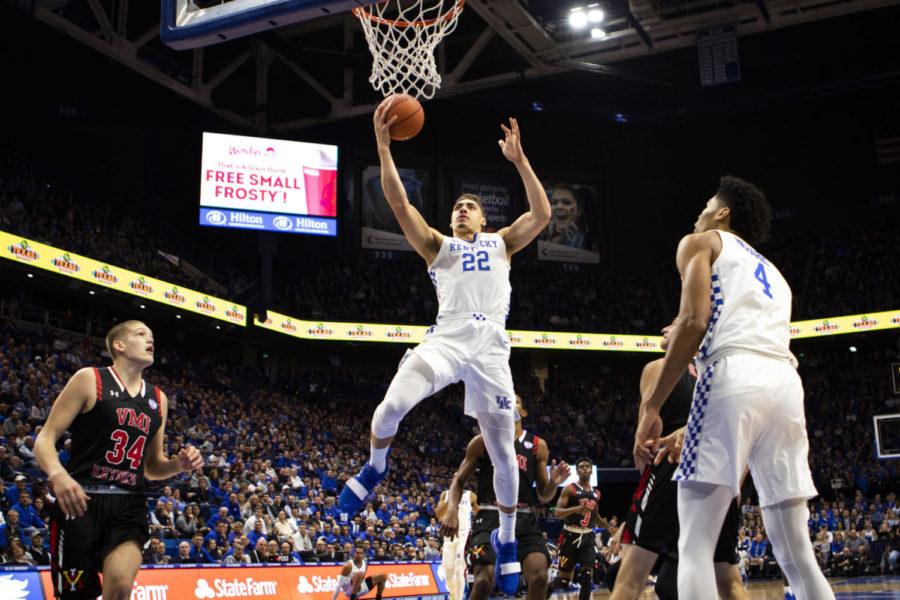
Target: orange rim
360 11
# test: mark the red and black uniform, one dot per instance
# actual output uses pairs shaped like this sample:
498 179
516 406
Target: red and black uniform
652 521
109 445
529 536
576 541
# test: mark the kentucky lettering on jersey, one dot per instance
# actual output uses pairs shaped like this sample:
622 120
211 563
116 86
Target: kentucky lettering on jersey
109 441
472 278
751 304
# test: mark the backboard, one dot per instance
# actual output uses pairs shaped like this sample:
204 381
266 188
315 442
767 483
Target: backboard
195 23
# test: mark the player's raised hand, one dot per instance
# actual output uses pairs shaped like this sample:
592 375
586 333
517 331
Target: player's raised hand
450 522
512 144
382 123
670 447
69 495
646 439
189 459
559 472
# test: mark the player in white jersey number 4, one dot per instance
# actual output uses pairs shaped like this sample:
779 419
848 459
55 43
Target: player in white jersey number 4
470 271
748 402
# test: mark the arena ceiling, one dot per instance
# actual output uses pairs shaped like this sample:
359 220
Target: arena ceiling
520 54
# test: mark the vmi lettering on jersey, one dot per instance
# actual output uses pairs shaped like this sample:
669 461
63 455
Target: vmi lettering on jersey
463 247
132 418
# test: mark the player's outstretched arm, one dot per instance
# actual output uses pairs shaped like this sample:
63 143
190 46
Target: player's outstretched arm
160 466
424 240
548 482
696 253
529 225
80 391
474 451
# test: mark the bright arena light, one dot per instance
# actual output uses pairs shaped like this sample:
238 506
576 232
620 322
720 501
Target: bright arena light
578 19
595 14
597 33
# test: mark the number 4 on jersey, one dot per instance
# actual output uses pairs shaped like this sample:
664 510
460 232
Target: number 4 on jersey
761 277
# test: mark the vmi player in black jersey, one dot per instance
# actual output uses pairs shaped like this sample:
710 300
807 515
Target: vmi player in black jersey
650 531
117 421
578 508
536 486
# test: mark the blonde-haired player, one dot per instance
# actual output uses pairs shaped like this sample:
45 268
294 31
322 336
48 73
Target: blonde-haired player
117 421
453 555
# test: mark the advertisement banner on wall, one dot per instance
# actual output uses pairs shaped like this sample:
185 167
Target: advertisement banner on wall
268 184
496 193
96 272
572 233
380 230
300 582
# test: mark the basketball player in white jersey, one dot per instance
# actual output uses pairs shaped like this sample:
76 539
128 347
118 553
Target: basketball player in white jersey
453 557
748 403
353 581
470 271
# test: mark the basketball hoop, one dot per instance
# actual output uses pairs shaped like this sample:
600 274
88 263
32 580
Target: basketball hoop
402 42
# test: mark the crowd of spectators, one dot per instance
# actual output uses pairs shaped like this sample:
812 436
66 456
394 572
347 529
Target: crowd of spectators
833 272
277 455
47 212
855 535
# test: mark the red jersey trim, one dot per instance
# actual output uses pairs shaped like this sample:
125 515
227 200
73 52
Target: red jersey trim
118 379
158 400
99 383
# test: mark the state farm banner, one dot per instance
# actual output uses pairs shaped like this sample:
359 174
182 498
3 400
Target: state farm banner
276 582
496 193
380 230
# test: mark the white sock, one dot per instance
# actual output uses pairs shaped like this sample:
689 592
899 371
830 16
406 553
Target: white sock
507 527
378 458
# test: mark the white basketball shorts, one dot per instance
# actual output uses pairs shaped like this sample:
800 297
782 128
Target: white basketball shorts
748 409
476 352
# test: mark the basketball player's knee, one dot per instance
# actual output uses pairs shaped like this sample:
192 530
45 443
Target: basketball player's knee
537 579
379 579
387 417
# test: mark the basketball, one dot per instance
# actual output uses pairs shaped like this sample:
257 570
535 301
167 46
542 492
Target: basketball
410 117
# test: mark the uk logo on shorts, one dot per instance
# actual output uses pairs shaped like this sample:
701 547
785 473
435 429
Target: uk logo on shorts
503 403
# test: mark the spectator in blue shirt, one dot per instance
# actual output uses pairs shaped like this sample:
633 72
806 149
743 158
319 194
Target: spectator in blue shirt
12 494
757 554
222 515
220 534
28 517
199 555
256 534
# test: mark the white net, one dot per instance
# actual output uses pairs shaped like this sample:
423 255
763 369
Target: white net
402 36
